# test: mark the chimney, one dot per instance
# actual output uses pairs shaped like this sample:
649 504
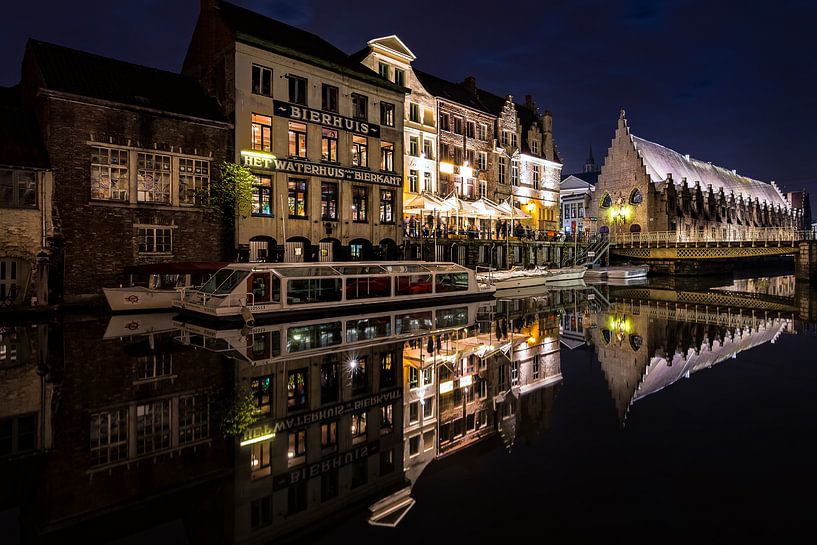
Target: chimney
470 83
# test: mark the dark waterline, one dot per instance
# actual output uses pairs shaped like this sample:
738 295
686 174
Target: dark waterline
581 457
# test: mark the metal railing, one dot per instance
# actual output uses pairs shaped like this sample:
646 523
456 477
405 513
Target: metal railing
765 236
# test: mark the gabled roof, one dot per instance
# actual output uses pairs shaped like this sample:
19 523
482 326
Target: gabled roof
260 31
660 161
588 177
572 181
394 45
20 141
84 74
455 92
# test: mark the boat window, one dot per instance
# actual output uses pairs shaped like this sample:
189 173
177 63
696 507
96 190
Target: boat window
414 284
362 269
313 290
450 317
313 336
224 281
292 272
414 322
451 282
263 289
368 329
363 288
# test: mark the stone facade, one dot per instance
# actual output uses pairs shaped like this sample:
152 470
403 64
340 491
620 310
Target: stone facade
328 169
631 196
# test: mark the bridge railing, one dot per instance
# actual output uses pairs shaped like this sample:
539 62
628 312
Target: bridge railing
767 236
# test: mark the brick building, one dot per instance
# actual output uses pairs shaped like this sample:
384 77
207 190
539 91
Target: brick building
130 147
322 135
645 187
25 204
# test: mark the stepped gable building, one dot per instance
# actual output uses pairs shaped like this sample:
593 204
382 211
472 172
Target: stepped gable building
131 148
322 134
645 187
26 185
391 58
528 168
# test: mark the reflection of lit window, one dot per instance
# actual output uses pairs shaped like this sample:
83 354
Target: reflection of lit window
358 427
329 434
387 418
297 447
296 390
635 342
606 201
605 335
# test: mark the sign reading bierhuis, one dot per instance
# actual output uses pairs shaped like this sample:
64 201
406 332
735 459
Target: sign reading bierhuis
327 119
265 162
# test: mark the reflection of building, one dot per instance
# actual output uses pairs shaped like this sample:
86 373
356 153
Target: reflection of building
26 188
119 419
646 187
321 133
644 346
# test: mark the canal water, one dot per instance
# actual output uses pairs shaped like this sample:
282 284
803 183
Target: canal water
664 411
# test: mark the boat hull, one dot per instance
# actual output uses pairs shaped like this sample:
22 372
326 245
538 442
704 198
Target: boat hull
138 298
295 314
627 272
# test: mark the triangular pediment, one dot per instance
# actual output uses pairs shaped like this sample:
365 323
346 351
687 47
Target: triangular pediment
394 45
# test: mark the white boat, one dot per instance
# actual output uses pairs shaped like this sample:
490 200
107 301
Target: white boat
628 271
517 278
271 291
618 271
155 286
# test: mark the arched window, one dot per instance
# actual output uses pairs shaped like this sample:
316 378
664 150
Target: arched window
636 197
606 201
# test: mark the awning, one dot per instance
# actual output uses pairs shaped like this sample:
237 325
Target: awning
513 211
424 202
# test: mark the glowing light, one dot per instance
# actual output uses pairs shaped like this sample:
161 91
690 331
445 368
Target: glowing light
257 439
531 340
352 363
447 168
466 381
466 172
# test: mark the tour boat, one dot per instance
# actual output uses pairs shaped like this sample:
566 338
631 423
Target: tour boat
270 291
155 286
522 278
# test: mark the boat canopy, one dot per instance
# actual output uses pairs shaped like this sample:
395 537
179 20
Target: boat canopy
357 270
181 267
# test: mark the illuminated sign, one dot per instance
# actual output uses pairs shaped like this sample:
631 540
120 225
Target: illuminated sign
296 476
446 168
446 387
466 381
256 435
267 162
327 119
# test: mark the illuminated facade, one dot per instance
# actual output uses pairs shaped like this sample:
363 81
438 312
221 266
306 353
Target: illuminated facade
645 187
322 135
391 58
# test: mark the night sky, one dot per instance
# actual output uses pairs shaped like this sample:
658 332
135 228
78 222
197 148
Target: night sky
724 82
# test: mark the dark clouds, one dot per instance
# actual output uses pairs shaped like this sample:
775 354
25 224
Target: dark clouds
727 82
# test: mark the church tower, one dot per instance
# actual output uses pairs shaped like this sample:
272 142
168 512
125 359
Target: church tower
590 165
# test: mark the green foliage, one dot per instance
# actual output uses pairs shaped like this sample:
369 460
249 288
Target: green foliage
230 193
239 414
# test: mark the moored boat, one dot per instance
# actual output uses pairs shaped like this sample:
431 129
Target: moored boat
628 271
271 291
155 286
517 278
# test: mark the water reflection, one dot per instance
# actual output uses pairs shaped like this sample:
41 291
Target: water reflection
130 424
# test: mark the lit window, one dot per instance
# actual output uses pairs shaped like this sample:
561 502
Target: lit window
386 156
261 132
360 203
262 196
329 145
387 114
386 206
296 198
329 201
360 151
297 139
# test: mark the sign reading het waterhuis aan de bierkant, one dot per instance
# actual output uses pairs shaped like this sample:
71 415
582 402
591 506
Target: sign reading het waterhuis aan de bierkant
269 163
327 119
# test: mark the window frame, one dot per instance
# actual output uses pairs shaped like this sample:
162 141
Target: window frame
260 89
299 196
294 89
